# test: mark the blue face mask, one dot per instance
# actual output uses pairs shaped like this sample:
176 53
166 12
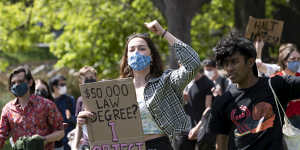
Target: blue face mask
20 89
139 62
293 66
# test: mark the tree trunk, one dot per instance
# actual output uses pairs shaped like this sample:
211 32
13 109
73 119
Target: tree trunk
179 14
179 24
291 17
245 8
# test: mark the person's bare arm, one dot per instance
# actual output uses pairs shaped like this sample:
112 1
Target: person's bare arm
194 131
155 27
208 101
55 136
221 142
78 136
260 65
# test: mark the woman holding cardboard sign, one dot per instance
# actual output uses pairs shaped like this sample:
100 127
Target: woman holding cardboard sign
159 93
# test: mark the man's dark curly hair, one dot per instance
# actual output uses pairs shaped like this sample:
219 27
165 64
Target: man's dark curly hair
231 44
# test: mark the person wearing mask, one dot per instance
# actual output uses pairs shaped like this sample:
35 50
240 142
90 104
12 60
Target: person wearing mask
87 74
159 93
28 114
66 105
288 64
248 111
42 89
211 71
199 100
287 60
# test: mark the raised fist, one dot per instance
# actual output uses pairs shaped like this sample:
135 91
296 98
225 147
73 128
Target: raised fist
155 27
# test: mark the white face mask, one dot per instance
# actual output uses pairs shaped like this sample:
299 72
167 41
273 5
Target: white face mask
209 74
62 90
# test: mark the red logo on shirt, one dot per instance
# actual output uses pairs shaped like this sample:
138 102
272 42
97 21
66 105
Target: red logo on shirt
261 119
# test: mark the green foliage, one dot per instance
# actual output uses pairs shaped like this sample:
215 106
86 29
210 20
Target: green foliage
94 32
20 34
214 21
18 30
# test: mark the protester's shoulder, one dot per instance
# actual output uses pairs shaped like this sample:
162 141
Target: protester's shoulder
221 102
206 79
69 96
278 80
205 82
44 101
165 74
8 105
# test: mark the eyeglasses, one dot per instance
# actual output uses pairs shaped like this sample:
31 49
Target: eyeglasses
146 35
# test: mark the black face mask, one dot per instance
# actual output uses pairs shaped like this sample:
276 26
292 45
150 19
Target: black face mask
19 90
89 80
42 93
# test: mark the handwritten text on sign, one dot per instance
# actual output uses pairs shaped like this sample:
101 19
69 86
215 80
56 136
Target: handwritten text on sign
107 101
268 30
116 124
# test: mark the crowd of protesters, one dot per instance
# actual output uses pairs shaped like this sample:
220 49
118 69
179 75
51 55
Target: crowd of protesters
178 107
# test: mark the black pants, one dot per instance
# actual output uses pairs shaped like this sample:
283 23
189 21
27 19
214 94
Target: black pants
161 143
181 142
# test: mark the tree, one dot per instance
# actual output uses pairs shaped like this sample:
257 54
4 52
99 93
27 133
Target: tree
287 11
20 34
179 14
93 32
245 8
208 27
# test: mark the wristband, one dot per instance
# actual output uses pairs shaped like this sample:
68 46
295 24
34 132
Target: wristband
163 35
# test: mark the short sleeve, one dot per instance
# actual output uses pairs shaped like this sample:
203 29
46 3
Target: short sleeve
287 87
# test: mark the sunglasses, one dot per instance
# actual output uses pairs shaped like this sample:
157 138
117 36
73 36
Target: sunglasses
146 35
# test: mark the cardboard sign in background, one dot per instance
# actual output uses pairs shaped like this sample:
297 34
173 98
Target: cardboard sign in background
117 122
268 30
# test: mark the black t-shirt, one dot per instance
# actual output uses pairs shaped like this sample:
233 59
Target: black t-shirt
251 116
197 94
223 82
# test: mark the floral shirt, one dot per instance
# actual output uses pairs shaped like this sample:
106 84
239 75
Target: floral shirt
40 116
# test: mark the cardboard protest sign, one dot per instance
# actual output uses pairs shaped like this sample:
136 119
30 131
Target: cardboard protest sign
268 30
117 123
